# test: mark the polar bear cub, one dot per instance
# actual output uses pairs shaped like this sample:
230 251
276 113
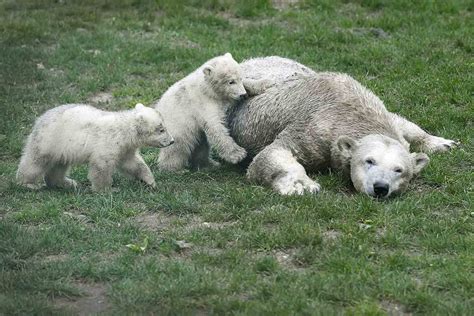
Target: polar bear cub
77 133
195 111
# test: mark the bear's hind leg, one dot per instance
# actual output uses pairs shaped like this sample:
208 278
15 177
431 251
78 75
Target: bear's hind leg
200 158
174 158
418 137
56 176
277 167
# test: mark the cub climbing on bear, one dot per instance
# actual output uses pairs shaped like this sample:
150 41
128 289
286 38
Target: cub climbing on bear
77 133
195 109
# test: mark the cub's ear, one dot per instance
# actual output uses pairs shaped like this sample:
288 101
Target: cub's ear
207 70
346 145
229 55
421 160
139 106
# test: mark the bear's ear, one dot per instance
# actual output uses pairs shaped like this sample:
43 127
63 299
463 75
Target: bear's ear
207 70
346 145
228 55
140 117
421 160
139 106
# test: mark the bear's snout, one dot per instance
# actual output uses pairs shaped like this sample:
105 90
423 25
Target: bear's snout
243 96
381 189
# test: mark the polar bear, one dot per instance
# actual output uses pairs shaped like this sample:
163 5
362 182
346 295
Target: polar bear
78 133
309 121
195 108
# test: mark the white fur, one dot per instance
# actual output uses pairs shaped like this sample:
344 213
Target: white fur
195 108
380 160
294 180
312 121
78 133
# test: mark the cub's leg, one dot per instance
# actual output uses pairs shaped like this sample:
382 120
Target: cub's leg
100 173
56 176
257 86
201 156
277 167
174 158
134 166
218 137
418 137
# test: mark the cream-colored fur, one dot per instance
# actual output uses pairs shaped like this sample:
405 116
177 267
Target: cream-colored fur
78 133
310 121
194 110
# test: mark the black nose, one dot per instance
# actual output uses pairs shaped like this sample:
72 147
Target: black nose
243 96
381 189
172 142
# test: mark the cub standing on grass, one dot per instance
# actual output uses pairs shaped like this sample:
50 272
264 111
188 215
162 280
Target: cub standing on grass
195 110
78 133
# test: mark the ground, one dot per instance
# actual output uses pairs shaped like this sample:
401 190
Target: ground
209 242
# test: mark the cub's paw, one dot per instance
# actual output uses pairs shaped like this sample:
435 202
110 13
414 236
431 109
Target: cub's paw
214 163
439 144
33 186
294 185
236 155
70 184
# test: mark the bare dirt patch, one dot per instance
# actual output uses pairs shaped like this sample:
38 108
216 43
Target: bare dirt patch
286 258
331 235
393 308
197 222
55 258
154 221
284 4
92 302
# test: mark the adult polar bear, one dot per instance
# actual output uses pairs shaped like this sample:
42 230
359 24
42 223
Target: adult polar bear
312 120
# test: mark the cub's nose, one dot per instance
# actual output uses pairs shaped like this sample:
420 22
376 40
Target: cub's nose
243 96
381 189
172 142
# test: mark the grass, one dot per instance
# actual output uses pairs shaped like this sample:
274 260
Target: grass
213 243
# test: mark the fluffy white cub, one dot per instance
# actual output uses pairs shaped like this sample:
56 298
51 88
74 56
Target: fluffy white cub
78 133
195 109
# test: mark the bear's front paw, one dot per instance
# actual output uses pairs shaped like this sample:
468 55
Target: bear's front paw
236 155
267 83
151 185
294 185
439 144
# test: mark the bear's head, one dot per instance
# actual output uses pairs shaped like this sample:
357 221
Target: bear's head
379 165
224 76
151 131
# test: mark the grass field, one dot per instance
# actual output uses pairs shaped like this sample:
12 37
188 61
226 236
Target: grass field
211 243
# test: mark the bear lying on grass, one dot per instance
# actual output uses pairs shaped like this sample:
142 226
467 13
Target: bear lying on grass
311 121
194 110
77 133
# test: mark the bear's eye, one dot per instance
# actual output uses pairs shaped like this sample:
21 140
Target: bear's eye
398 170
160 130
232 82
370 161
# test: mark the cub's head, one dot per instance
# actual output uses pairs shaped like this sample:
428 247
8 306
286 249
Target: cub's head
380 166
151 130
225 77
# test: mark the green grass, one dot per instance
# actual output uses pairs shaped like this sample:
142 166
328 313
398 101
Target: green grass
247 250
